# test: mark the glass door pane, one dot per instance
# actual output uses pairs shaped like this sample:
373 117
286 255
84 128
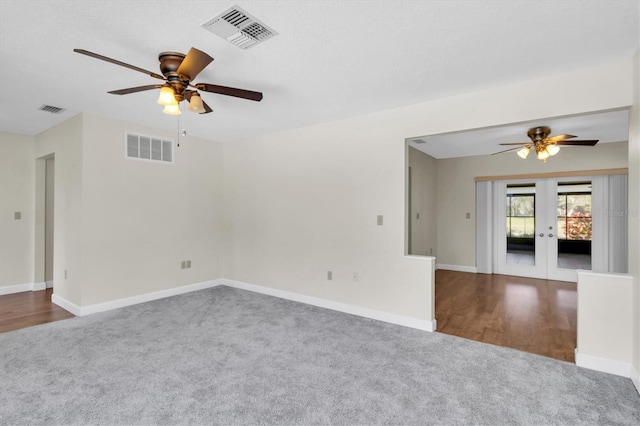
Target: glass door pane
521 224
574 223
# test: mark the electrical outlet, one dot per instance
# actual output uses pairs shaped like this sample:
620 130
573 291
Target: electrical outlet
355 276
330 275
380 220
17 215
418 215
468 215
431 251
183 264
188 264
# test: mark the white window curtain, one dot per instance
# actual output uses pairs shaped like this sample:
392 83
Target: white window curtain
617 218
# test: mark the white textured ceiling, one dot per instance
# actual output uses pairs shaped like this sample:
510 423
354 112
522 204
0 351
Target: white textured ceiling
331 59
605 127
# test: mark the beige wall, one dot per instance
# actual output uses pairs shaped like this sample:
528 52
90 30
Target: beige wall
141 218
423 203
17 177
457 189
634 213
64 141
122 227
305 201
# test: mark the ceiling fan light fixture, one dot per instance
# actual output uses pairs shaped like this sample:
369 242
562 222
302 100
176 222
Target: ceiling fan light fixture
195 104
543 154
553 149
167 96
172 109
522 153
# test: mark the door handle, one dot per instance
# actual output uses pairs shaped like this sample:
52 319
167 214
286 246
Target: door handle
551 235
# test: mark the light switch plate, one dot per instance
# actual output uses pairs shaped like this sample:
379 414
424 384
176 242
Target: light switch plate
380 220
17 215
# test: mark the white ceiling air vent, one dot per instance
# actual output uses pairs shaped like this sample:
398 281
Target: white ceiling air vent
239 28
52 109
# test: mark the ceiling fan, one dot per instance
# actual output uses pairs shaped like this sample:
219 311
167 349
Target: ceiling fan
544 145
178 71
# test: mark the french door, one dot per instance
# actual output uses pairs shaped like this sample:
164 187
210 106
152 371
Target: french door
547 228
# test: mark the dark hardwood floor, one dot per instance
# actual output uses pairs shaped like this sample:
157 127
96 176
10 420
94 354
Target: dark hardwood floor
29 308
532 315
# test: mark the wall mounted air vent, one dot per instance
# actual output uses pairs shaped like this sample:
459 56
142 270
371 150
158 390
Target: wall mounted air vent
148 148
239 28
52 109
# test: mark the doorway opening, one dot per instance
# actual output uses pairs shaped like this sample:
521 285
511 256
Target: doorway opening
49 200
44 270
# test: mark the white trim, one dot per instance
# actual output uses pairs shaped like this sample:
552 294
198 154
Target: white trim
606 365
459 268
66 305
49 284
588 273
635 378
15 288
19 288
411 322
128 301
424 325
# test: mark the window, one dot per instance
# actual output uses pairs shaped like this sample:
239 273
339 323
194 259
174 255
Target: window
149 148
574 211
521 207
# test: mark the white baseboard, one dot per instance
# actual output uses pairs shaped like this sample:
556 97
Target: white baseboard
21 288
66 305
128 301
79 311
424 325
606 365
459 268
49 284
635 378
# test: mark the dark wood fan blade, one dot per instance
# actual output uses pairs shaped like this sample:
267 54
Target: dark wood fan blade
187 97
230 91
559 138
516 143
135 89
195 61
507 150
122 64
207 108
590 142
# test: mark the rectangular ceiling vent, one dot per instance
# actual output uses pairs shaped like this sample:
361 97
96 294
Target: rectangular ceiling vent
239 28
52 109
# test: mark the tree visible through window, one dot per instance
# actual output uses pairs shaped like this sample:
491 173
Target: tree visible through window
574 216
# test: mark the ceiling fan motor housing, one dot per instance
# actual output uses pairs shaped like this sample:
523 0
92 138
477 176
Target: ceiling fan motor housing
169 64
538 134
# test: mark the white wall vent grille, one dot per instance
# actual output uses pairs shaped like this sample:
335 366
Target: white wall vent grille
239 28
149 148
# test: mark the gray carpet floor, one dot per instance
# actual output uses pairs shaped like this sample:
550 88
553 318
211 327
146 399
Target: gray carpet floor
227 356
